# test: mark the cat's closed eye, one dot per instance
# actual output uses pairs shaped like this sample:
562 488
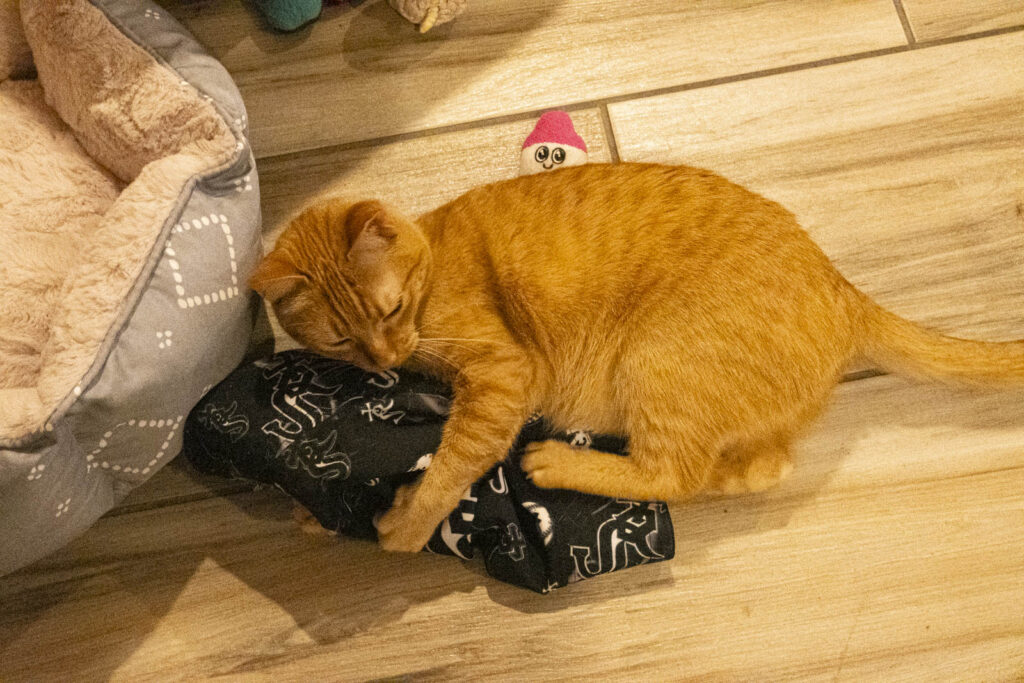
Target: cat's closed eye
395 311
341 344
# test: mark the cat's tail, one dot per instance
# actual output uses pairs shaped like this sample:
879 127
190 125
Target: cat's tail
904 347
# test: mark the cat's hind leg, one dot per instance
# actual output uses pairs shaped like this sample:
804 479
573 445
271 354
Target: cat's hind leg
683 407
669 416
671 458
555 464
688 403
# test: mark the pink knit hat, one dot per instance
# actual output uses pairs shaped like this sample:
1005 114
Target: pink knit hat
555 127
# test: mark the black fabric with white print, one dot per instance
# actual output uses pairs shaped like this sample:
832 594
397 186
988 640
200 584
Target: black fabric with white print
340 441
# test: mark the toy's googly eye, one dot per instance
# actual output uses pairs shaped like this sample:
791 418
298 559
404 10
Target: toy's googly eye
541 155
558 156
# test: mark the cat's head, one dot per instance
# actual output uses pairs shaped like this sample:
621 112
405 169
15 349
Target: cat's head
347 279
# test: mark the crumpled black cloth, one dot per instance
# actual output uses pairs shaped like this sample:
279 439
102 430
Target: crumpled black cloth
340 441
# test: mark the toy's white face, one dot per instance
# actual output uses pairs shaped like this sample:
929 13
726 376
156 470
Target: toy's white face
545 156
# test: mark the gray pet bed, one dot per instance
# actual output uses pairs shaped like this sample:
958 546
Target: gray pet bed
129 216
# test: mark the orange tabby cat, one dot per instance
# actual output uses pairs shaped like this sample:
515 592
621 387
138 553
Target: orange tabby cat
663 303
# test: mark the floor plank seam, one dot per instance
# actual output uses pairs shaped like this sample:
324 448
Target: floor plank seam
609 134
905 21
584 104
230 489
949 40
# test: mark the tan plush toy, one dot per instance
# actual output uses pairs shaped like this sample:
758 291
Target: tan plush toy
429 13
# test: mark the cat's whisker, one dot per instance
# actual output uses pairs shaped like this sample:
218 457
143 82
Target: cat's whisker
463 339
427 351
284 277
435 353
454 341
465 348
429 356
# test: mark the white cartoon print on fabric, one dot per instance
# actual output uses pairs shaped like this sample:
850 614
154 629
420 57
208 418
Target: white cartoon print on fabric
382 410
301 398
458 536
384 380
319 459
543 520
580 438
224 419
626 538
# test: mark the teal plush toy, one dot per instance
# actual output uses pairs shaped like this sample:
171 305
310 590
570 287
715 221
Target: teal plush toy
289 15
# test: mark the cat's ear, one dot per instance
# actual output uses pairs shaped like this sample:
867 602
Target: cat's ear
275 277
369 231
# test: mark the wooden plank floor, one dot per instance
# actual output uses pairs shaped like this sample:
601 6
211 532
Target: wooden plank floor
909 177
894 130
935 19
360 73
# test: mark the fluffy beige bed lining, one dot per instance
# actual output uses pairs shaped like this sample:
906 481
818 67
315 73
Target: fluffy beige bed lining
94 154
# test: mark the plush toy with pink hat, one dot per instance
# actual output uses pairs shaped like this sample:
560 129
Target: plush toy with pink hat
554 143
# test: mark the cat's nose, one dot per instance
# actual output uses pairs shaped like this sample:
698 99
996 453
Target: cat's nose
382 355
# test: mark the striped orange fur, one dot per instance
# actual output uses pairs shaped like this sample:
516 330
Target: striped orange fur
664 303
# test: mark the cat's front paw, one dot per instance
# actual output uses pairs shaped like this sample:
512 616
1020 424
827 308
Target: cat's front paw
404 528
544 463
